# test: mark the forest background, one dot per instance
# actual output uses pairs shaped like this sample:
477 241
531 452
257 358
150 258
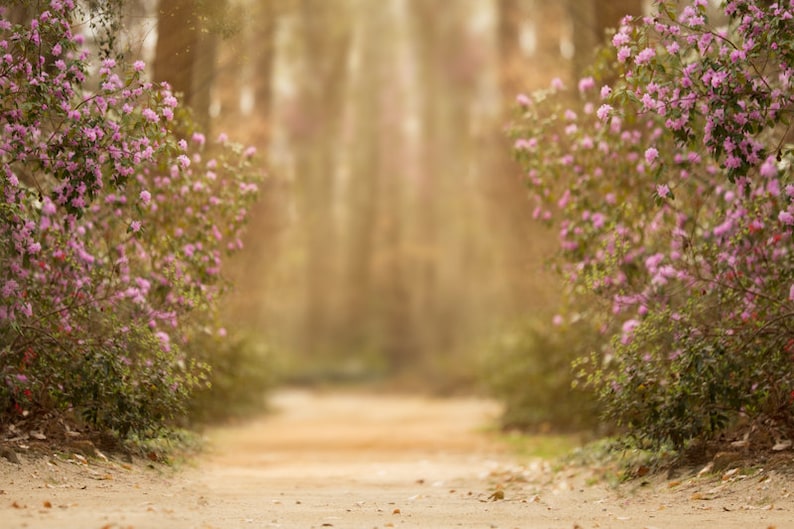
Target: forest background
394 237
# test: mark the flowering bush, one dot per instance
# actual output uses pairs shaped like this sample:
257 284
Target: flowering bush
112 232
672 188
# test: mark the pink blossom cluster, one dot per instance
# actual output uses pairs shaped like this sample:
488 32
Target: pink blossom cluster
672 187
105 213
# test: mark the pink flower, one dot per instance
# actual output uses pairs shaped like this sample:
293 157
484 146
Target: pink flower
620 38
651 154
164 339
145 197
791 293
139 66
644 56
586 84
523 100
606 90
786 218
10 288
150 115
604 111
769 167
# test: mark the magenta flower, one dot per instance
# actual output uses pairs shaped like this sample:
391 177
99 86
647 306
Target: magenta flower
604 111
150 115
651 154
769 167
586 84
644 56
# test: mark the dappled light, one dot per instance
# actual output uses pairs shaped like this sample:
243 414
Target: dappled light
424 263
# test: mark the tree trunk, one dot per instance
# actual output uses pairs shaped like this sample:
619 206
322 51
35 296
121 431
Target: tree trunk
185 54
591 19
325 41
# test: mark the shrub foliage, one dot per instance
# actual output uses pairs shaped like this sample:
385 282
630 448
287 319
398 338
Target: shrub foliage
670 179
115 217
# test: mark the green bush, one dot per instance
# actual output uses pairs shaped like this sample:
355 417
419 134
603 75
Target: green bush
241 371
529 368
673 189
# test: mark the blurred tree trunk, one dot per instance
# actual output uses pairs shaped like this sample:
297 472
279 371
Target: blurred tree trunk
325 37
264 45
362 192
531 287
246 65
591 19
185 53
442 279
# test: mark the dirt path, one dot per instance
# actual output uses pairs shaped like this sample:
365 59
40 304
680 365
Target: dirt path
350 461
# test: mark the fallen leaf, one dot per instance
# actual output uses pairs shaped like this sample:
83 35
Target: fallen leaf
47 505
673 484
38 435
782 445
16 505
497 495
730 473
705 470
396 511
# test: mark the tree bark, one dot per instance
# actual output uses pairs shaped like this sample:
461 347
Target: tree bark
185 54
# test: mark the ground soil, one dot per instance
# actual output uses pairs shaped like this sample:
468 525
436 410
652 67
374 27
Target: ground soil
352 460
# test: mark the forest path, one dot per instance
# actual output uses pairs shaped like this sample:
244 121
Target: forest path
351 460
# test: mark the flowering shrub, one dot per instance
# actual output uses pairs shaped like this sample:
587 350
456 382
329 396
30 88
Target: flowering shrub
112 232
672 188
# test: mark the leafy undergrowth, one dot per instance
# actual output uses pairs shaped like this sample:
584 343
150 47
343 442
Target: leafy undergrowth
47 434
751 452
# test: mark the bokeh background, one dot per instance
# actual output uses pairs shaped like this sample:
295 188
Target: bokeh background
394 238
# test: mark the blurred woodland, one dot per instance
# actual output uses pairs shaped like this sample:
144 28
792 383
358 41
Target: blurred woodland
393 235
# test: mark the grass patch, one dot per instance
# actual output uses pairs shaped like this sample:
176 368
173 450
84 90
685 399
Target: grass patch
544 446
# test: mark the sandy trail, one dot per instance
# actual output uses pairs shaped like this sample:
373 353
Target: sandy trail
348 460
